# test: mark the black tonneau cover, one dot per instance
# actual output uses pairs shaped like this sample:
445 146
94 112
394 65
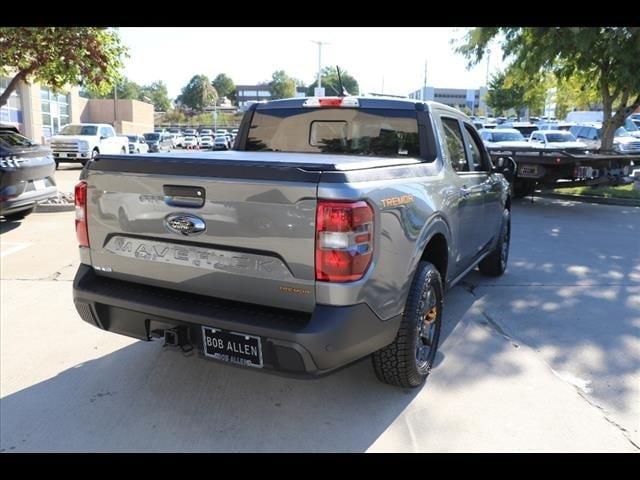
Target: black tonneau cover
305 167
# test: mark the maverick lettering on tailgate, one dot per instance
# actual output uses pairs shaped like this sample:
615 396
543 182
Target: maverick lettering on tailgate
205 258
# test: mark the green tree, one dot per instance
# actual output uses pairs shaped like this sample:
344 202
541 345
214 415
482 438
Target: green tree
127 89
501 97
578 92
225 86
331 84
282 85
173 116
198 93
158 94
58 56
608 56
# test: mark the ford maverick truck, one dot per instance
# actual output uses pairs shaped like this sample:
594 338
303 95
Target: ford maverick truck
330 232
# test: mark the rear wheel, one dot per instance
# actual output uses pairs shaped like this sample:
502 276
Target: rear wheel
408 360
494 264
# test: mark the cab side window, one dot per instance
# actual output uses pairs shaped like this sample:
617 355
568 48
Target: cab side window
475 147
455 144
106 132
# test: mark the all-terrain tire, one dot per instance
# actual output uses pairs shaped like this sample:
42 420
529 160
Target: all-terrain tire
397 363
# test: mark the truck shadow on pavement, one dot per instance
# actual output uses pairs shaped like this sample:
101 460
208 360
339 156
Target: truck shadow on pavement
144 397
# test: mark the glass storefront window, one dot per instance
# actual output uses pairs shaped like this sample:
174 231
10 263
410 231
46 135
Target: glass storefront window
12 111
55 111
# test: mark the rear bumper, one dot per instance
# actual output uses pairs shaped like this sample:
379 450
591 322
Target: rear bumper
292 342
27 200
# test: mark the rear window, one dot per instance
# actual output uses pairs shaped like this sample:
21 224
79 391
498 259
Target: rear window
507 137
79 130
559 137
351 131
10 139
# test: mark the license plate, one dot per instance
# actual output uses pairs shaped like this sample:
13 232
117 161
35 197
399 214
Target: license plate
232 347
39 184
529 171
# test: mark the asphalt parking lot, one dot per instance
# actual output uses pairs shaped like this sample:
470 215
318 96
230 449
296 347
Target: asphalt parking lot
545 358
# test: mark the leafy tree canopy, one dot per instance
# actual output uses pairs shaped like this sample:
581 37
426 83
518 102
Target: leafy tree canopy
609 57
224 86
282 85
59 56
331 84
198 93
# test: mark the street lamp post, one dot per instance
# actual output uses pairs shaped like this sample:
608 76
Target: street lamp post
115 105
319 43
486 81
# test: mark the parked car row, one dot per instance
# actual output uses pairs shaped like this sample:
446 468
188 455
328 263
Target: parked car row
579 137
566 136
204 138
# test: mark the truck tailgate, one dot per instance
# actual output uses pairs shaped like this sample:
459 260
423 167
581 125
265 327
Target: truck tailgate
257 247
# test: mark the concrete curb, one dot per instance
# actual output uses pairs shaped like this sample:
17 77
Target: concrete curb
623 202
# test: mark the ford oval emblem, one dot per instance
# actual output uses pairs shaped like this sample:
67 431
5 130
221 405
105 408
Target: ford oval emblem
185 224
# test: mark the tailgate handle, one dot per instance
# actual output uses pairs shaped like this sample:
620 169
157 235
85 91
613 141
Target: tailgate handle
183 196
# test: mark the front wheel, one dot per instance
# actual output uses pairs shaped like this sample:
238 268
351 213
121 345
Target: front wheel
494 264
408 360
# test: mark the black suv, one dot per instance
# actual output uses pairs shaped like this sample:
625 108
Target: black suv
26 174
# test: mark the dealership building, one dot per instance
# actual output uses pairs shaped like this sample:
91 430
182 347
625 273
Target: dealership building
39 113
474 99
248 94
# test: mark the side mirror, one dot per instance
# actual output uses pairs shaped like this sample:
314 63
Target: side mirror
103 137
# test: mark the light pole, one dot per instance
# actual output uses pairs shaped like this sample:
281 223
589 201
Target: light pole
319 43
115 105
486 81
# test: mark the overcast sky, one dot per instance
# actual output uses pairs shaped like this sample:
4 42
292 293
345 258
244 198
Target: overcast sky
249 55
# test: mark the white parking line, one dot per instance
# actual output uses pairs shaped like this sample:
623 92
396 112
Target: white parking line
13 248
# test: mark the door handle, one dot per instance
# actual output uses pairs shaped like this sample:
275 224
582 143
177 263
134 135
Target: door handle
183 196
465 191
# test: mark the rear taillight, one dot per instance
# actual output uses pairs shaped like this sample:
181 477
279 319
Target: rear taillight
344 240
82 232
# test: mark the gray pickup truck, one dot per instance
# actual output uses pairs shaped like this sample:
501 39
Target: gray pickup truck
330 232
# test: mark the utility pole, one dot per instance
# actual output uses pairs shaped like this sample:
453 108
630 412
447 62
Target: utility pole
425 73
319 43
486 81
115 106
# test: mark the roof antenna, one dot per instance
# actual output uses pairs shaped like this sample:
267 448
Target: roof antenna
343 91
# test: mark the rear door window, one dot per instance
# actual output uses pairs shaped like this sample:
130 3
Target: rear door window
474 148
455 144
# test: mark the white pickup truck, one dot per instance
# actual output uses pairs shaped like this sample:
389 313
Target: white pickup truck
81 142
